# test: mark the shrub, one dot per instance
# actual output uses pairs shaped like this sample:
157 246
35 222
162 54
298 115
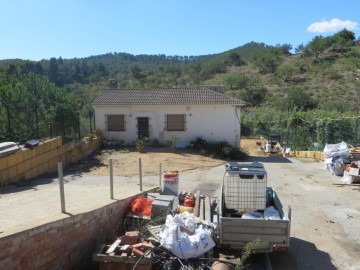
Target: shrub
222 150
199 143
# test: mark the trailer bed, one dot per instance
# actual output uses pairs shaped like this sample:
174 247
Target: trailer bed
267 235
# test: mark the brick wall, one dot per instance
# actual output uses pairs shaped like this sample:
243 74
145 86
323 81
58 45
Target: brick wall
30 163
64 244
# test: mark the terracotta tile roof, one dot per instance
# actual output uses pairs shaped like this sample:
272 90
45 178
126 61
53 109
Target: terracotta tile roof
172 96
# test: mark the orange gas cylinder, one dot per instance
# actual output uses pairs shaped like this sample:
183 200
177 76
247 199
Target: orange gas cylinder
189 200
183 209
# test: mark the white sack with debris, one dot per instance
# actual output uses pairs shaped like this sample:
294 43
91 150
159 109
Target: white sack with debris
270 213
252 215
335 150
347 178
183 238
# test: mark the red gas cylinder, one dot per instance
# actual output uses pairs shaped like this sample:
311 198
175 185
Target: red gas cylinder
189 200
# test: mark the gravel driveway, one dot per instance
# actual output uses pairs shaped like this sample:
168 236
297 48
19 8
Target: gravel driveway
325 215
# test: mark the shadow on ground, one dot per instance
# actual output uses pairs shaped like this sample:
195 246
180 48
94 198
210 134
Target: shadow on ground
302 255
26 185
70 173
270 159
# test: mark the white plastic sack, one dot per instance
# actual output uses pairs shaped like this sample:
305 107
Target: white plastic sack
330 164
334 150
181 244
347 178
270 213
252 215
184 219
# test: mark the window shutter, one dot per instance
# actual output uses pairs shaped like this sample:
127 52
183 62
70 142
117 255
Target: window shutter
175 122
116 122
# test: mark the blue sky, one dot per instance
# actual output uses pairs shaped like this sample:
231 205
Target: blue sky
41 29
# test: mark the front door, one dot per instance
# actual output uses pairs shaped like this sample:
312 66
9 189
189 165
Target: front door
143 127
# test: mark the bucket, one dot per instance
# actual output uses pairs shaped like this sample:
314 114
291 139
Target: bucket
170 184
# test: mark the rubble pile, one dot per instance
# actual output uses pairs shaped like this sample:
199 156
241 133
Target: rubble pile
163 232
343 160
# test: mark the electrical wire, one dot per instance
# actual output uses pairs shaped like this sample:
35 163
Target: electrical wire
142 256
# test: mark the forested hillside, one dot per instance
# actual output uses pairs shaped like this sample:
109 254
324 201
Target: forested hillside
314 92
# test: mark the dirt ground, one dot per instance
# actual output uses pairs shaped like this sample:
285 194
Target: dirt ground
126 160
126 163
325 226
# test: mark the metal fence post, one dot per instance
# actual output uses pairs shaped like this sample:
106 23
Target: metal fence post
111 179
140 174
61 184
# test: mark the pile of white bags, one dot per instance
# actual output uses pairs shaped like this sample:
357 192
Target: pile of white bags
184 238
332 151
270 213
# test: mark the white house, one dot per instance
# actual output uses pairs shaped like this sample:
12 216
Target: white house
187 113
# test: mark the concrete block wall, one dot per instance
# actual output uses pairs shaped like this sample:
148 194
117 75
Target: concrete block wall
30 163
63 244
318 155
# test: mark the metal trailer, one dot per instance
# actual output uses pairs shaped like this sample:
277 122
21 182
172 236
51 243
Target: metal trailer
235 232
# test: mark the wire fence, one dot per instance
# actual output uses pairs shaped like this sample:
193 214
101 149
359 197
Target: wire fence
301 134
20 125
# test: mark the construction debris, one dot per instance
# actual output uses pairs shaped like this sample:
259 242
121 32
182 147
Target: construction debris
342 160
127 252
185 236
162 232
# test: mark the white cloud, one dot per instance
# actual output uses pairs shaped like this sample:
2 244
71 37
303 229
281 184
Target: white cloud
332 26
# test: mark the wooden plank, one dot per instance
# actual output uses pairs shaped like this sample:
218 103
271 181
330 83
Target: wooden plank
346 184
197 204
119 258
113 246
354 171
202 209
207 209
155 231
125 249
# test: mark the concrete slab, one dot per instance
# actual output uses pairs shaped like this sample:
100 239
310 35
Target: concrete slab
38 202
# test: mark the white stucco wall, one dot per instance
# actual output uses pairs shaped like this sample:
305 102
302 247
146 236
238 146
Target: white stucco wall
211 122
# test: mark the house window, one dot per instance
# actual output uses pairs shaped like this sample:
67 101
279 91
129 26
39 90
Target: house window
175 122
116 122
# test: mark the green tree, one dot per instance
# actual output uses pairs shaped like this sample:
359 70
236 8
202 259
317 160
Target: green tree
235 59
286 70
343 38
53 71
34 104
237 81
299 48
268 61
297 99
253 96
318 45
301 139
285 48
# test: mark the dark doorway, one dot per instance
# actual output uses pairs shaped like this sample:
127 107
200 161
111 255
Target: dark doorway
143 127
